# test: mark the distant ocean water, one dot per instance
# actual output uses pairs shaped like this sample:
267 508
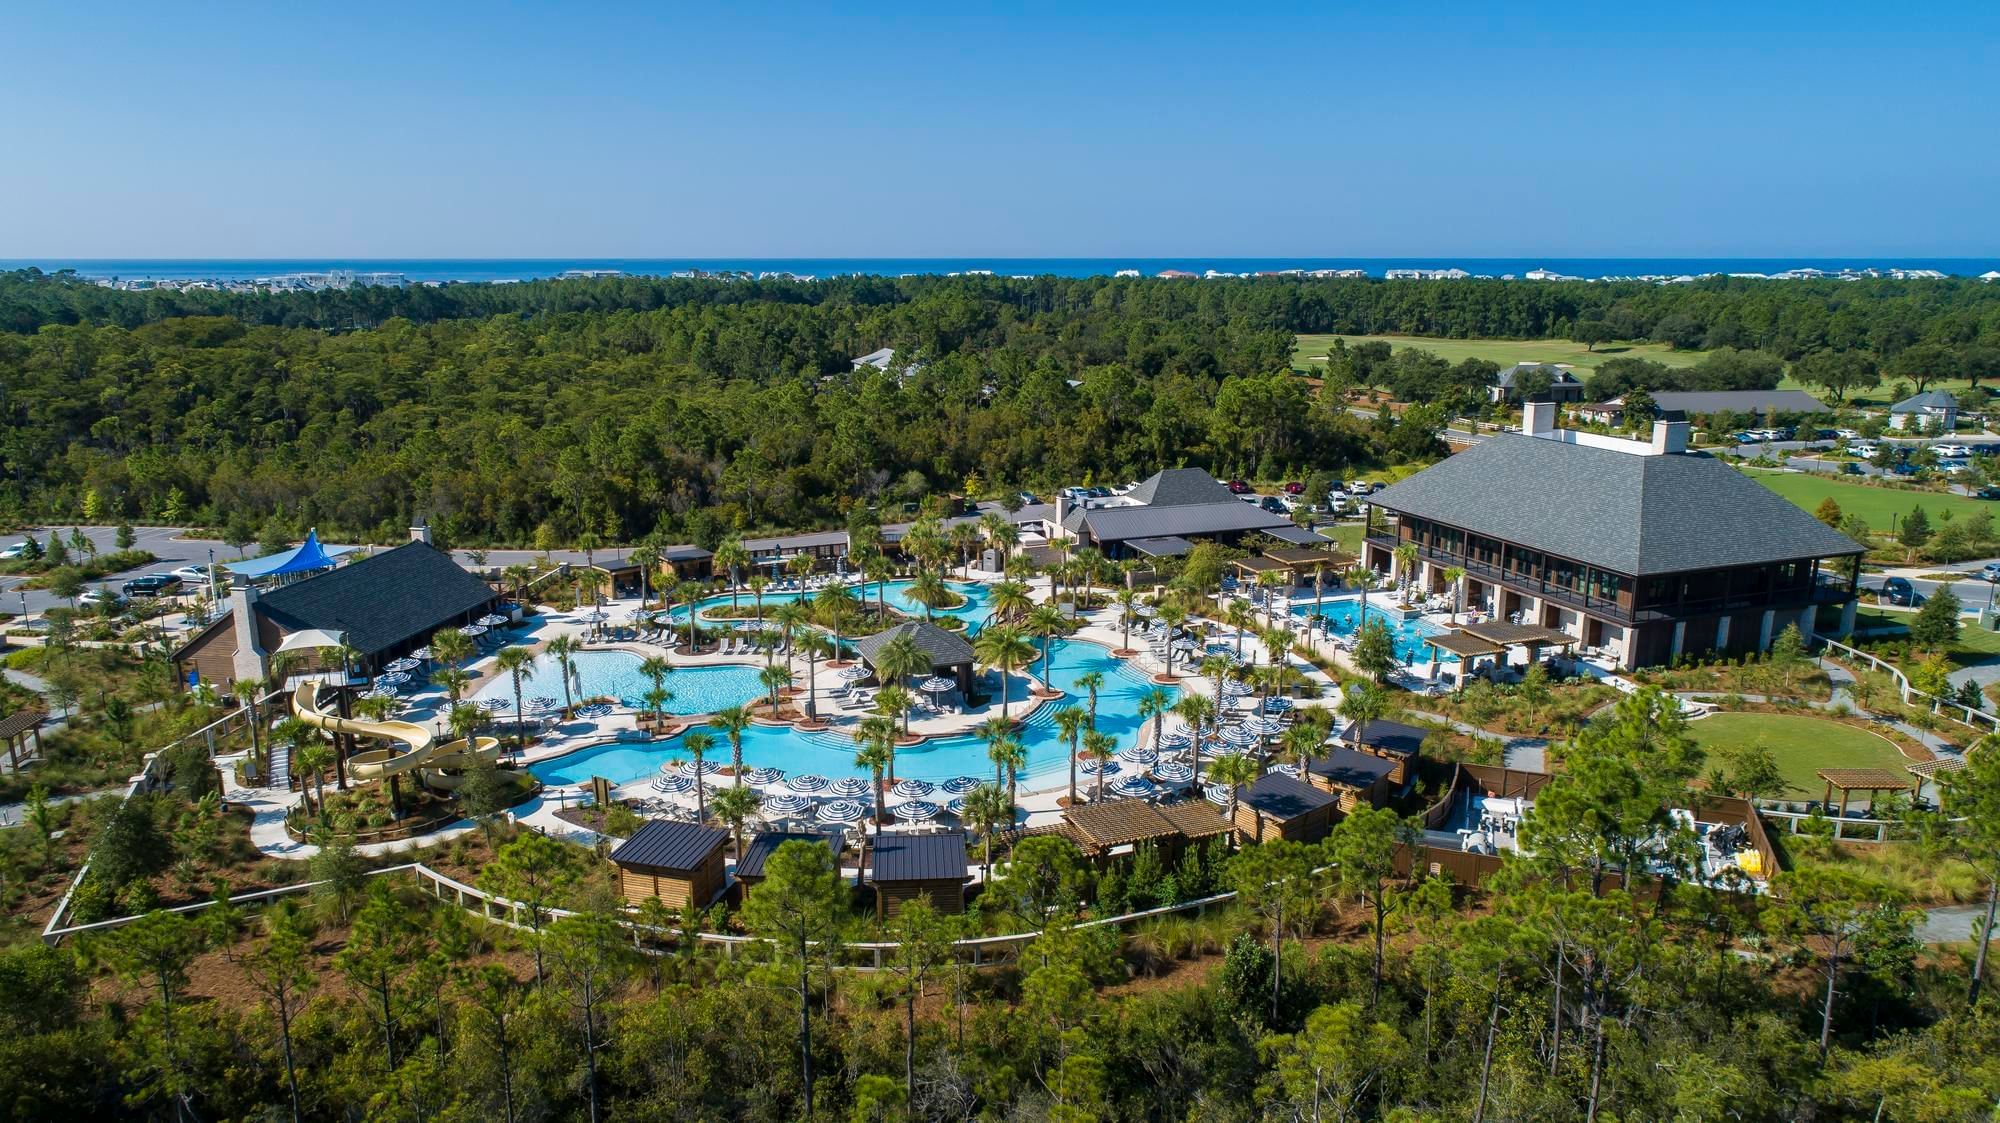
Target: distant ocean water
521 269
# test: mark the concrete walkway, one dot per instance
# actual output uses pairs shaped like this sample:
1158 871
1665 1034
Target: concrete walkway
1951 924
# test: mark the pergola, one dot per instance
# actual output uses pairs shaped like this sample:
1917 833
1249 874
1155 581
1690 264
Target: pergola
1531 636
1870 780
1255 567
16 727
1302 560
1469 648
1931 769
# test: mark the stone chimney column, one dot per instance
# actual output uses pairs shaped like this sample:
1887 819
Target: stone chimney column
421 532
1670 437
1538 419
249 661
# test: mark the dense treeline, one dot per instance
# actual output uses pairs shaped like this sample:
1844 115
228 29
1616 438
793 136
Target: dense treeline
629 407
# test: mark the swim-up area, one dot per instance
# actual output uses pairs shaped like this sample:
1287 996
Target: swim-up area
938 758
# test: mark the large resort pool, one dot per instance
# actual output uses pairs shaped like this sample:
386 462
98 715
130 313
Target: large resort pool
974 609
615 674
1343 616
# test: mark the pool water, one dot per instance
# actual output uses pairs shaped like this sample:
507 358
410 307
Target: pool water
938 758
697 690
975 611
1344 615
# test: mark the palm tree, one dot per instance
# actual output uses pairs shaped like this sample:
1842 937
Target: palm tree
800 566
929 590
449 645
1173 616
879 572
895 703
646 557
688 593
1454 576
756 585
877 738
791 618
563 650
518 576
1155 703
1090 682
733 721
1218 666
1098 745
1235 770
1239 617
1196 710
987 811
1010 599
965 539
1301 741
517 663
835 609
1271 580
1012 756
1406 564
733 806
311 759
464 721
1070 720
1362 578
1362 704
453 680
246 690
1004 535
1089 561
731 555
993 731
1002 649
816 647
901 658
774 678
1128 604
698 743
1046 621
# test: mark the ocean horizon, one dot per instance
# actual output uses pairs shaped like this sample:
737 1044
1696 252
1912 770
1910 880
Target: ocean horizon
472 270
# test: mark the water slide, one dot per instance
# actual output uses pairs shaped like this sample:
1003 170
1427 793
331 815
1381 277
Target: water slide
419 749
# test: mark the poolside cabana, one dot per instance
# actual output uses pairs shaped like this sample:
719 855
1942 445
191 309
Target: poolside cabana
1118 826
909 866
756 852
1468 647
1278 806
678 863
1394 741
1255 567
1302 560
1356 777
950 653
1197 820
1871 780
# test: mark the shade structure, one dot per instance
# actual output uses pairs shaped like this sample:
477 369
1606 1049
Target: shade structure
1217 794
849 786
491 620
1235 688
784 805
402 665
842 811
913 789
762 776
1291 770
707 767
1185 645
959 785
1264 726
306 557
936 685
393 678
472 631
1147 610
541 703
594 616
955 805
808 784
309 639
1238 736
1173 772
423 653
1139 755
917 811
1277 705
855 673
1177 739
1131 787
383 690
673 785
1099 767
497 705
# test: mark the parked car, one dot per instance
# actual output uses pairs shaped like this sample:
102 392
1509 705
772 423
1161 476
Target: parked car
1865 451
1289 502
1954 452
1272 504
1360 487
1850 468
1337 502
1026 497
1848 434
1238 486
98 596
152 585
1987 493
192 574
1898 590
1990 571
1295 488
15 552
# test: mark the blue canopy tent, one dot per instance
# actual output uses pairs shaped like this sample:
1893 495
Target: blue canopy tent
306 557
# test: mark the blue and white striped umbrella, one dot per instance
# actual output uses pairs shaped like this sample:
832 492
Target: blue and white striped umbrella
1173 772
786 805
955 805
913 789
917 811
849 786
1264 726
1138 754
1177 739
1277 705
762 776
1131 787
1095 767
673 785
1238 736
496 705
1291 770
842 811
1217 794
1235 688
807 784
959 785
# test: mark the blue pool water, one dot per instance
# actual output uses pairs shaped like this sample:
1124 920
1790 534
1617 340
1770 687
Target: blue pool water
939 758
976 609
697 690
1344 615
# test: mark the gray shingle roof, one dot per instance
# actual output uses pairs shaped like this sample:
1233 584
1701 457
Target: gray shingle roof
1627 513
1177 487
666 845
1738 401
395 596
919 857
946 649
1119 524
1283 798
1557 375
1929 399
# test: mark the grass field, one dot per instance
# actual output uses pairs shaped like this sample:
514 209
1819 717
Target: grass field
1876 504
1801 745
1310 351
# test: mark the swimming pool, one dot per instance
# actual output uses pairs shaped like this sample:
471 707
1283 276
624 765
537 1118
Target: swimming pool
1344 616
697 690
976 609
938 758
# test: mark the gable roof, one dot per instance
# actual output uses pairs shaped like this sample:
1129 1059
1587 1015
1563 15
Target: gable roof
1278 796
1627 513
665 845
1738 401
1385 736
1929 399
764 844
946 649
1352 768
382 601
1183 516
919 857
1560 376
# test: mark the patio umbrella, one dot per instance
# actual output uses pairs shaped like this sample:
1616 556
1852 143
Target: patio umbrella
786 805
594 616
855 673
707 768
936 685
496 705
959 785
913 789
1235 688
382 690
849 786
472 631
1096 767
1135 754
490 620
1264 726
1238 736
955 805
541 703
807 784
404 664
1185 645
1147 610
673 785
1177 739
1291 770
1173 772
393 678
917 811
423 653
841 811
1131 787
1217 794
1277 705
763 776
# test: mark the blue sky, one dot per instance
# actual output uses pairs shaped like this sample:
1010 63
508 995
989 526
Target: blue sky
433 129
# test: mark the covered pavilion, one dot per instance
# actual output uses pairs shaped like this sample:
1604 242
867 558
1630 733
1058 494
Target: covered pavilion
1870 780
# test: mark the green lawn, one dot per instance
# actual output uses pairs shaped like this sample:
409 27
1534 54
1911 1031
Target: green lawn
1876 504
1310 351
1801 745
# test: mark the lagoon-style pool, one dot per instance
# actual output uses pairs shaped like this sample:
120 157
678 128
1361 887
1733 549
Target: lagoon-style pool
938 758
1344 617
976 608
697 690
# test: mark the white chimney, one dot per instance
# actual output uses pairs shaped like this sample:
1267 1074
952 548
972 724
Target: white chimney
1538 419
248 662
1669 437
1062 508
421 532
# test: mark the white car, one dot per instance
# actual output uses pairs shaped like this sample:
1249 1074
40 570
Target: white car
1848 434
1336 502
15 552
97 596
1954 452
1866 451
192 574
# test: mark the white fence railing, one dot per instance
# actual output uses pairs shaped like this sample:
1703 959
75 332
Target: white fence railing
1968 716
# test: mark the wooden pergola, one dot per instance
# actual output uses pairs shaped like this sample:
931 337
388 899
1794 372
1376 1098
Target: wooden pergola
1468 647
1255 567
1870 780
1307 559
1931 769
1531 636
16 728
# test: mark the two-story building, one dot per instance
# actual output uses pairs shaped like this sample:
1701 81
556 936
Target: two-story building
1640 549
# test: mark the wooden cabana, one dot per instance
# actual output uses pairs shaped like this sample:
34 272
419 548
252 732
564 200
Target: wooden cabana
1469 649
1870 780
909 866
1306 559
16 728
1120 825
1198 820
679 863
1531 636
1278 806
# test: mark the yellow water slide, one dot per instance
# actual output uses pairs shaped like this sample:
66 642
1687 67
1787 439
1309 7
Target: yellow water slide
439 762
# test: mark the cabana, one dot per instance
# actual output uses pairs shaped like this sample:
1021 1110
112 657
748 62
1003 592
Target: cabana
949 652
1277 806
1118 826
678 863
1870 780
1394 741
1354 776
909 866
756 852
1469 649
1256 567
16 728
1198 820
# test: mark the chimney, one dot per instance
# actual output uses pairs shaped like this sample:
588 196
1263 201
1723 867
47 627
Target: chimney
1062 509
249 658
1669 437
1538 418
421 532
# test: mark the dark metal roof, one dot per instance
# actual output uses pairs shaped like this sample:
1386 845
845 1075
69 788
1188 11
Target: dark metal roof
1620 511
1352 768
1384 735
1121 524
919 857
1557 375
394 597
765 843
1168 547
664 845
946 649
1278 796
1180 487
1300 536
1929 399
1738 401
